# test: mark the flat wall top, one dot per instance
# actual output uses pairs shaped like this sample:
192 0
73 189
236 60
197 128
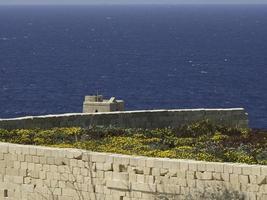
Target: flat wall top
122 112
74 153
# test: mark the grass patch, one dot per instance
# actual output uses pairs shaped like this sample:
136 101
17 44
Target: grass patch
199 141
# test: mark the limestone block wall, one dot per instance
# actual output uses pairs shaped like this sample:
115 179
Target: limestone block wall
235 117
32 172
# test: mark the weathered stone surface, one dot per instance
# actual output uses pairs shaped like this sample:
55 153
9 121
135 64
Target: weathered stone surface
50 173
236 117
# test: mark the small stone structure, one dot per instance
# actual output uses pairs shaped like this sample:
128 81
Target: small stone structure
42 173
93 104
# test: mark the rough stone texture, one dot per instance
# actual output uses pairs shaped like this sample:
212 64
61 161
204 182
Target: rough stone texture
31 172
236 117
93 104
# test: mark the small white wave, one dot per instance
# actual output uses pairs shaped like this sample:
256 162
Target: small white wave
4 38
5 88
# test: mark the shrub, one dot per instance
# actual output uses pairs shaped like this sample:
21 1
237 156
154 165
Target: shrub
201 141
218 137
239 156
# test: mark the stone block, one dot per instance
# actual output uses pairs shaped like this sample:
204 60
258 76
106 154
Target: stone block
140 178
168 189
181 174
237 169
253 179
158 163
24 165
150 162
120 168
124 176
228 168
46 168
48 152
42 160
201 166
134 161
225 177
210 167
69 192
76 170
184 166
73 162
33 151
50 160
31 166
149 179
64 177
243 179
190 175
144 187
255 170
218 167
28 158
182 182
36 159
132 177
234 179
264 170
204 175
18 179
252 188
27 188
100 174
191 183
108 167
263 189
147 171
164 172
193 166
216 176
261 180
121 185
39 152
98 157
171 164
155 171
4 148
246 169
17 164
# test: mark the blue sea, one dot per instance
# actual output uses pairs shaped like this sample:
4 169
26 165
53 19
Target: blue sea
150 56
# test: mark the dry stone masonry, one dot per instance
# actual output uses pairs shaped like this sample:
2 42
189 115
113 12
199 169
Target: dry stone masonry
233 117
41 173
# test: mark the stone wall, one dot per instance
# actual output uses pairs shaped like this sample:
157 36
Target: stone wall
236 117
41 173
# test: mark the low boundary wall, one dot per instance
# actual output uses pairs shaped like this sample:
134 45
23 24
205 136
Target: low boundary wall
34 172
235 117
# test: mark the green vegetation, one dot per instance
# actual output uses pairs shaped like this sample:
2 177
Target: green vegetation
199 141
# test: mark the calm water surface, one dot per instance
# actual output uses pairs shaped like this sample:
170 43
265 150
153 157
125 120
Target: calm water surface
150 56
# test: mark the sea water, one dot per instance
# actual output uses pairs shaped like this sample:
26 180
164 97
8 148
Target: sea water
153 57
